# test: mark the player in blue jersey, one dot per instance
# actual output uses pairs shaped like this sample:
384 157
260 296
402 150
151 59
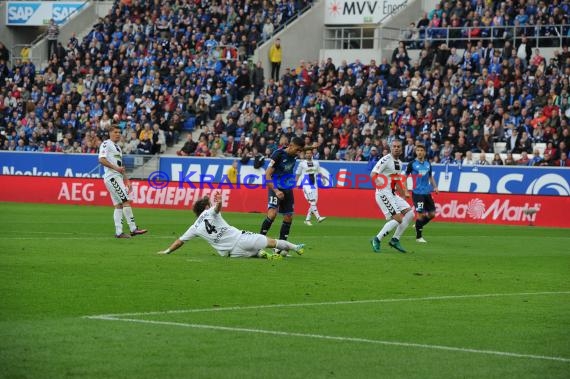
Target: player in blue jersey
420 168
280 181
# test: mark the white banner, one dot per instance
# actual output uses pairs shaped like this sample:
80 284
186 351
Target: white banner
356 12
38 13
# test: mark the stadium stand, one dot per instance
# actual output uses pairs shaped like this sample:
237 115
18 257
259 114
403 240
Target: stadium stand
181 65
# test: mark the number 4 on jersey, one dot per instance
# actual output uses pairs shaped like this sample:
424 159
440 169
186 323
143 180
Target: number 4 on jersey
209 227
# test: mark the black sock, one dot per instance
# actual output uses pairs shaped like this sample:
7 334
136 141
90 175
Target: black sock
284 233
266 225
426 221
420 222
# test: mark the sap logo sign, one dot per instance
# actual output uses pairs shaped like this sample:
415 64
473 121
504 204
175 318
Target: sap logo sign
19 14
62 12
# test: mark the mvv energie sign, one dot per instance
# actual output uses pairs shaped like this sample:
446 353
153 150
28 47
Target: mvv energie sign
350 12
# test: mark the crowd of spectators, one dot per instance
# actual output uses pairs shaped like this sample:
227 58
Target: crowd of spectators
544 23
152 66
455 102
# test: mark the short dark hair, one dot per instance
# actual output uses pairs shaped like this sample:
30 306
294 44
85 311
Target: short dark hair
200 205
420 146
298 141
114 126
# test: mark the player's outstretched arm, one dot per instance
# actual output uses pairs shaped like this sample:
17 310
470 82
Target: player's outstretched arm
218 201
175 245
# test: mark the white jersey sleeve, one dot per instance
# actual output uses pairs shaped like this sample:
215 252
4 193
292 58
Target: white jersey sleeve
112 152
212 227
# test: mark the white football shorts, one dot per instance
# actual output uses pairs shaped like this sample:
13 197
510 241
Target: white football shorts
117 190
390 204
248 245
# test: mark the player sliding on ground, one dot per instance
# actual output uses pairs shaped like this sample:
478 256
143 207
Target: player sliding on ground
386 175
226 239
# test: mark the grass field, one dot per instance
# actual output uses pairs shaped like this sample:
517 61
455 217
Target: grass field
477 301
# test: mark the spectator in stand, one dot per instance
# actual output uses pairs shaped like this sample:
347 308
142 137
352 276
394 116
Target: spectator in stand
482 160
564 161
497 161
189 147
536 159
52 36
275 58
510 161
524 159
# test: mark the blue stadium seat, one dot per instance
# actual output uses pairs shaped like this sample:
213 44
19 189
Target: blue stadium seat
189 124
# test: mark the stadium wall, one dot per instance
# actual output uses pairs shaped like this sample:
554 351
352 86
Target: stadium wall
301 40
547 211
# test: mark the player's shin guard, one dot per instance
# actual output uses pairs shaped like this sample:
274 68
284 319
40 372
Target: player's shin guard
128 212
118 218
266 225
387 229
285 245
285 228
408 217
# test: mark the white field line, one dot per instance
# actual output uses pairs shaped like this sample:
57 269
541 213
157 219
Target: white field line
297 305
337 338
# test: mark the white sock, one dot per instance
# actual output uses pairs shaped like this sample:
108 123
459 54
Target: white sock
408 217
285 245
387 229
118 218
309 212
128 212
315 210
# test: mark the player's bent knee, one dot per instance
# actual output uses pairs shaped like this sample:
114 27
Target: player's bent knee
272 213
398 218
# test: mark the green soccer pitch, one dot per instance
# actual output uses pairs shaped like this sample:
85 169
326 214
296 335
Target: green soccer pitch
477 301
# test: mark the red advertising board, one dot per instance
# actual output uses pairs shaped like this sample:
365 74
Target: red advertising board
549 211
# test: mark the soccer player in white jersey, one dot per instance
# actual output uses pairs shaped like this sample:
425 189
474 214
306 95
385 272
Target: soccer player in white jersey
117 182
308 170
386 175
226 239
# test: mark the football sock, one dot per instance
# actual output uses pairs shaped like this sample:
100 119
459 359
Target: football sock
387 228
118 218
284 233
420 222
408 217
266 225
285 245
315 210
309 212
128 212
